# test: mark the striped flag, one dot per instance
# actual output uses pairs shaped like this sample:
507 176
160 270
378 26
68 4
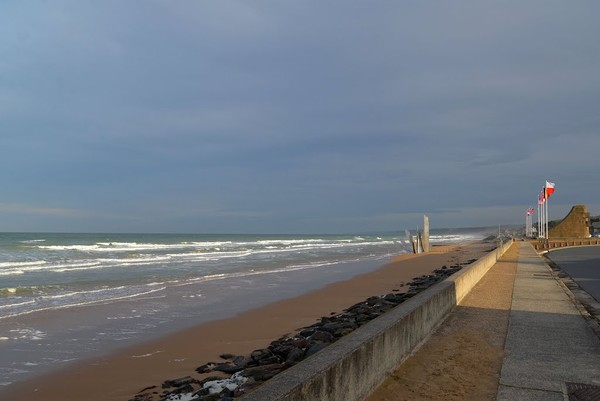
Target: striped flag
548 189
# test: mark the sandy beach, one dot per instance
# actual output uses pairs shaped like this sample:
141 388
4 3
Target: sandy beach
122 374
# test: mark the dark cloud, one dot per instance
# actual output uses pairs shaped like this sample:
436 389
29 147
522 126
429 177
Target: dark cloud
293 116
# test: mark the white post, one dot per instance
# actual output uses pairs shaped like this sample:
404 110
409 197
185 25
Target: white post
547 236
544 223
543 219
539 220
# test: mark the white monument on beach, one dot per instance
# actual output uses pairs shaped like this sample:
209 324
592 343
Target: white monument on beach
425 233
420 242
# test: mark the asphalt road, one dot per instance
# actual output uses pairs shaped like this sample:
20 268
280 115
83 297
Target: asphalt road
582 264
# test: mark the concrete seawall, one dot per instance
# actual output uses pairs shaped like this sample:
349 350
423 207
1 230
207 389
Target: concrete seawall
355 365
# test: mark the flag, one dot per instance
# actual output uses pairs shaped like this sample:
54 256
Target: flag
548 189
541 199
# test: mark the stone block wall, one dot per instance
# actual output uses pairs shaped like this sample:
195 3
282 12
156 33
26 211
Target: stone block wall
575 225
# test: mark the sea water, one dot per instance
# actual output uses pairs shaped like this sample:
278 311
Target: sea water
64 297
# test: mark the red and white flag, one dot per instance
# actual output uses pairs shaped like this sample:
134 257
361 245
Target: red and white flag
548 189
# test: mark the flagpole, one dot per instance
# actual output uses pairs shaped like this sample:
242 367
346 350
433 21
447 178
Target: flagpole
543 214
539 219
542 218
547 236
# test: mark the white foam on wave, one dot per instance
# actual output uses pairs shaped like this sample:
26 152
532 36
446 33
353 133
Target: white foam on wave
131 246
13 305
20 267
114 298
455 238
78 265
28 333
26 263
192 252
146 355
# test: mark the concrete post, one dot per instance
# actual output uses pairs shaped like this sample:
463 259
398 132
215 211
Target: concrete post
425 233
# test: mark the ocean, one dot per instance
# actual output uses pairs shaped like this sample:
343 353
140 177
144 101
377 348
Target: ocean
65 297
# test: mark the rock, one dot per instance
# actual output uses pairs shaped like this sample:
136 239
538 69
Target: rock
227 368
307 332
270 360
207 367
358 308
182 381
211 397
343 332
245 388
282 350
339 329
321 336
242 361
299 342
362 319
313 349
183 389
262 373
146 389
294 356
259 354
395 298
209 379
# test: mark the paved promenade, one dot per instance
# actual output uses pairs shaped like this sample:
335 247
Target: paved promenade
549 344
516 336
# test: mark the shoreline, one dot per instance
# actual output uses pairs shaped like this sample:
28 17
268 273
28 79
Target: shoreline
124 373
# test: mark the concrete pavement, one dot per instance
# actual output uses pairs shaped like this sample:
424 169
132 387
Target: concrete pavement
551 350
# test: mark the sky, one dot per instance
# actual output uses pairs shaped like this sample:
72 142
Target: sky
280 116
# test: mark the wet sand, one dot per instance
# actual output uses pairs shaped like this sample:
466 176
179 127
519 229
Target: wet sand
122 374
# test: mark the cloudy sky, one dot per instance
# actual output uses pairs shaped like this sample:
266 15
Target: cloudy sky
280 116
